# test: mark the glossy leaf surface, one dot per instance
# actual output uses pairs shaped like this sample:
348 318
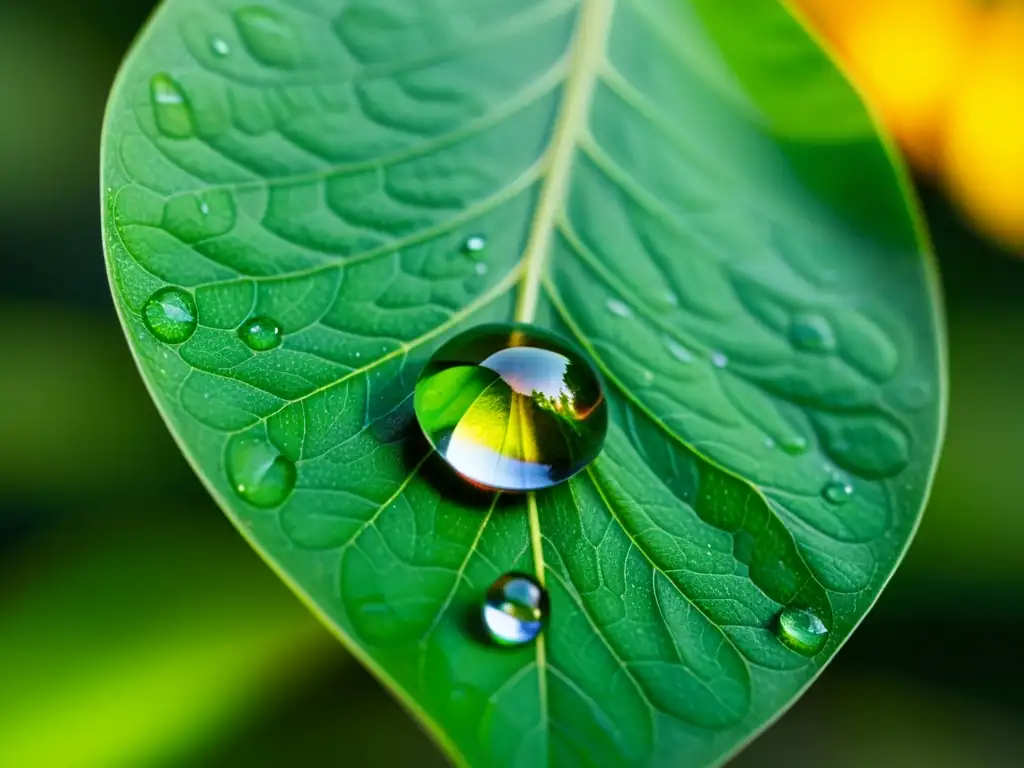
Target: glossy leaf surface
689 190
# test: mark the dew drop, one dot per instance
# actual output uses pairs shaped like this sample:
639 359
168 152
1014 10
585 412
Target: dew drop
268 36
812 333
618 308
170 107
261 334
170 315
512 407
837 492
220 46
515 609
677 350
258 472
474 244
915 396
794 445
719 359
802 631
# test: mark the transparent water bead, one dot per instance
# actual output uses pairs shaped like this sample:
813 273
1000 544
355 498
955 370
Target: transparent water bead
170 315
802 631
512 407
515 609
261 334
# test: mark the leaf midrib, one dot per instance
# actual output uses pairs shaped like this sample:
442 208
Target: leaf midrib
586 57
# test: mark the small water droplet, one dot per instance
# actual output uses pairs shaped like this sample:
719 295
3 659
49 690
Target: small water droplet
220 46
677 350
512 407
515 609
837 492
261 334
802 631
204 208
474 244
170 315
915 396
481 268
769 443
648 377
793 444
670 298
616 307
170 107
258 472
269 36
812 333
719 359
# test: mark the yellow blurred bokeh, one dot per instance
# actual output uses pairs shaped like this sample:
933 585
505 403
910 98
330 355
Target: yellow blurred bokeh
947 78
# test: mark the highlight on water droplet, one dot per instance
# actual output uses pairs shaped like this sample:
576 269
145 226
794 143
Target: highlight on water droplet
170 107
915 396
719 359
220 46
837 492
480 268
618 308
812 333
794 445
258 472
515 610
170 315
801 630
677 350
512 407
261 334
474 244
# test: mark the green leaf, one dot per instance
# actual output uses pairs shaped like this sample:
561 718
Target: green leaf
689 189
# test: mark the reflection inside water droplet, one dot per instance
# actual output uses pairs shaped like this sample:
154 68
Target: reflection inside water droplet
618 308
802 631
837 492
170 315
515 609
812 333
258 472
512 407
261 334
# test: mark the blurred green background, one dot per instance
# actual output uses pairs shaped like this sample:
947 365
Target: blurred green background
137 629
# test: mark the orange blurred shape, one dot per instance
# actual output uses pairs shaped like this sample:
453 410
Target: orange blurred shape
984 143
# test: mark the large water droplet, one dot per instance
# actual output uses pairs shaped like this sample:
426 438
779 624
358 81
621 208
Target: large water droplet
812 333
515 610
258 472
802 630
837 492
170 315
170 107
618 308
474 244
261 334
512 407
